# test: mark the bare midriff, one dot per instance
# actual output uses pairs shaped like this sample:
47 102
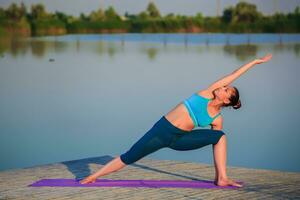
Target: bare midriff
180 117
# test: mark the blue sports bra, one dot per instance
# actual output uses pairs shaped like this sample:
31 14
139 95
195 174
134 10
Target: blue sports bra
197 107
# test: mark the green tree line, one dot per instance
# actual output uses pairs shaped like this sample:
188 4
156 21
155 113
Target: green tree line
241 18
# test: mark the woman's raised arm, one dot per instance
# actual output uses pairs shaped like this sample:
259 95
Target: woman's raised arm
237 73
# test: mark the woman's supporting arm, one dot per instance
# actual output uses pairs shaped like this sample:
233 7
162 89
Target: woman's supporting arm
237 73
217 123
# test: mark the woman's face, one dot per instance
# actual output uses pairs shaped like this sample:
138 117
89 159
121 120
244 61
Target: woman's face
224 93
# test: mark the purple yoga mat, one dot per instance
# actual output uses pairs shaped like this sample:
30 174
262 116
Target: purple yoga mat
131 183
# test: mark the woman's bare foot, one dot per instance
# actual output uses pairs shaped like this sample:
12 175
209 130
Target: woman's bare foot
89 179
227 182
216 181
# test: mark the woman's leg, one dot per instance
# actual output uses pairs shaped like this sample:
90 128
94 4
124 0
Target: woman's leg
219 151
202 137
112 166
196 139
220 164
155 139
149 143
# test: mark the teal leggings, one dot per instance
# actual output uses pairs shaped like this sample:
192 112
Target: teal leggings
165 135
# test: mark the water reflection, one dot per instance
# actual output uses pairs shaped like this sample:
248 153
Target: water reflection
152 53
59 46
21 46
297 49
241 52
39 46
14 46
111 49
292 48
100 47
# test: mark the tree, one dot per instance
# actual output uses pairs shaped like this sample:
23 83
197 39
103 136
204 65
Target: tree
143 15
242 12
228 14
245 12
23 10
83 17
15 12
130 16
110 13
170 16
61 16
97 15
2 13
297 11
38 11
152 10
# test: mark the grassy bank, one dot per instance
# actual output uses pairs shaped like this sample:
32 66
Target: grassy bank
242 18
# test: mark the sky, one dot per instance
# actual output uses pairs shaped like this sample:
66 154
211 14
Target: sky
186 7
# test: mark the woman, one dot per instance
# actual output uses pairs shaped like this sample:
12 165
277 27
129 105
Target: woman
174 130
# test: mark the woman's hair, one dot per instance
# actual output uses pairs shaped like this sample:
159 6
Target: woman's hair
235 100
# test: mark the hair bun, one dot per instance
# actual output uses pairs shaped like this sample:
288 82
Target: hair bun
237 105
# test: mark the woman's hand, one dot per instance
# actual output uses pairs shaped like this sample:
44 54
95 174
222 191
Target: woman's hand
89 179
237 73
266 58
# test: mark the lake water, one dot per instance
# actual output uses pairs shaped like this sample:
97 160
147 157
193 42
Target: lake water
77 96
